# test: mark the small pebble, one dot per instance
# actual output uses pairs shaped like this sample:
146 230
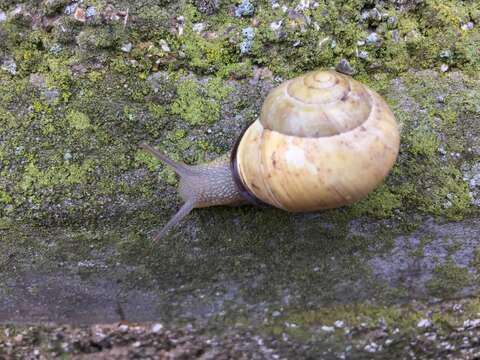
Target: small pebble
198 27
70 9
395 36
164 46
365 15
392 22
323 42
90 12
372 38
363 54
10 66
79 14
127 47
56 49
327 328
244 9
180 25
67 156
17 11
375 14
246 44
444 68
344 67
424 323
51 94
334 44
156 328
339 324
467 26
245 47
371 348
123 328
302 5
445 54
248 33
471 323
275 25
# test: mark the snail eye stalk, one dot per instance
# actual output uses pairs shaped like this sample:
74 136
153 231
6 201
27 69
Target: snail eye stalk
182 170
184 211
201 185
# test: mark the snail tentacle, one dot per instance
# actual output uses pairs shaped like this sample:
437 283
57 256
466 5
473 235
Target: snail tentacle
184 211
200 185
180 168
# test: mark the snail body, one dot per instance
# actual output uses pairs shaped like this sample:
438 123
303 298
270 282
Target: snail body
323 140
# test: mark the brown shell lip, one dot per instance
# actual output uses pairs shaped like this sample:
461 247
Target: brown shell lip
246 194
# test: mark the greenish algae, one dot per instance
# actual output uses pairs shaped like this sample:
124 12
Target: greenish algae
449 278
197 106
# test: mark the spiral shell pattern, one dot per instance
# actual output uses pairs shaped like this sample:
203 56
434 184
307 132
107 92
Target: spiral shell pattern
323 140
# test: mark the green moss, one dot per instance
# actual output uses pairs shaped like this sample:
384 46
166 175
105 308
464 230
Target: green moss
466 52
198 105
158 111
451 196
68 174
52 6
236 70
189 105
78 120
354 315
381 203
448 278
207 55
424 142
439 13
5 223
102 38
145 158
476 261
449 117
5 197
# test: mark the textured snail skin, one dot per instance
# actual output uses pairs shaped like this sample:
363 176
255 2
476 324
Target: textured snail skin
323 140
200 186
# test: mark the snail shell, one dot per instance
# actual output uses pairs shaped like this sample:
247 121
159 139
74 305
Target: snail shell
323 140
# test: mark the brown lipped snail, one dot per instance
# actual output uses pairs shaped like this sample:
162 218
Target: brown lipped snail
323 140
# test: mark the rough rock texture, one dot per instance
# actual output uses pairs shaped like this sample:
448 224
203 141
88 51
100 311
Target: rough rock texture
81 84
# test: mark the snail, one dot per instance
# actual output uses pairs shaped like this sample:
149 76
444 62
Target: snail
323 140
